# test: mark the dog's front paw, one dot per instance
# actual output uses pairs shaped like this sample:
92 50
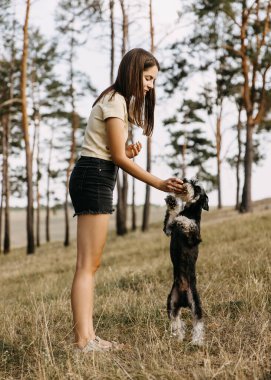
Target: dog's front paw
171 202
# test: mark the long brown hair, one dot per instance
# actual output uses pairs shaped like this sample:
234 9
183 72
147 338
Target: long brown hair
129 84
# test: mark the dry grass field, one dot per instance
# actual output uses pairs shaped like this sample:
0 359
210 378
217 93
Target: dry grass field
131 290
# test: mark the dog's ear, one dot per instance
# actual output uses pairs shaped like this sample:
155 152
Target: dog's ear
205 202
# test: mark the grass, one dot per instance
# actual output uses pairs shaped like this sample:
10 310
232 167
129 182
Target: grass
131 290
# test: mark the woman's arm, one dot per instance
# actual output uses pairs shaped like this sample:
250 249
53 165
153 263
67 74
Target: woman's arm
116 140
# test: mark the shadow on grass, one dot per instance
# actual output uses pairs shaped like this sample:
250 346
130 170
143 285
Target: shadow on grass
232 308
11 359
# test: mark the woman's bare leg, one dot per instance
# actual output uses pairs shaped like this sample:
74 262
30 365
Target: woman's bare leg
91 238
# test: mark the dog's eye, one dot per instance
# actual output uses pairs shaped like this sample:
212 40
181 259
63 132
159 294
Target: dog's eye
198 189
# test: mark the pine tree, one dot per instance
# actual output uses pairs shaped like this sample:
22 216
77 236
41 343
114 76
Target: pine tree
68 15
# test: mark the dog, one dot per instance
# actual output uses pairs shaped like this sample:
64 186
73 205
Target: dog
184 229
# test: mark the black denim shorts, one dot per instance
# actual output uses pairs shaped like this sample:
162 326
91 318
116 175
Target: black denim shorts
91 186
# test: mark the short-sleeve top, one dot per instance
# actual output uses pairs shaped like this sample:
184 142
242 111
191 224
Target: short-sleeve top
95 142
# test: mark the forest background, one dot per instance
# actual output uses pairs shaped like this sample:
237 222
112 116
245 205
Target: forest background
213 103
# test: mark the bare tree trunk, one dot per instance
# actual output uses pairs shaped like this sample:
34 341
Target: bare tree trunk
37 125
29 218
47 218
246 205
36 144
124 27
112 27
2 188
6 127
146 209
74 126
121 217
121 210
6 147
1 213
239 155
218 156
133 188
71 162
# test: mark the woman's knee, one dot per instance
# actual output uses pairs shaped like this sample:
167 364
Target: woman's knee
89 265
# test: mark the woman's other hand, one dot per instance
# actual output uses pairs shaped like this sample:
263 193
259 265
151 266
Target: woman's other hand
133 150
172 185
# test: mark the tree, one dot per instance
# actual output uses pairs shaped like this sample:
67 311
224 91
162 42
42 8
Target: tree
25 126
9 74
122 178
69 12
146 209
249 44
189 145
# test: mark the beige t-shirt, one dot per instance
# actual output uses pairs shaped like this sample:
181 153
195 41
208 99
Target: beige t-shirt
95 142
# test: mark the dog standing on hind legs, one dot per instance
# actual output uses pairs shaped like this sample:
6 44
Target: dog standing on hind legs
184 228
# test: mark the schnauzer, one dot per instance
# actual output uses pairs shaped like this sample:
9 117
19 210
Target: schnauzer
184 228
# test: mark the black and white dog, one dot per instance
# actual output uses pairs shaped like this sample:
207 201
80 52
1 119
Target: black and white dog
184 228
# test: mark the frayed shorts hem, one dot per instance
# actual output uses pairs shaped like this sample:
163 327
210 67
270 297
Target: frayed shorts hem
91 212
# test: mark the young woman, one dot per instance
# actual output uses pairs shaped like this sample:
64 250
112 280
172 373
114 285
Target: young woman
130 99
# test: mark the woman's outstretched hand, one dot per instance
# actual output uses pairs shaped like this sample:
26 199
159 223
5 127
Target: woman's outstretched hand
172 185
133 150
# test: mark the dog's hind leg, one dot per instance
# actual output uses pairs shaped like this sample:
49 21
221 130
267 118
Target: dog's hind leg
177 325
198 325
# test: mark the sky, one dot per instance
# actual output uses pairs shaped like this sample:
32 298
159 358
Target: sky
93 59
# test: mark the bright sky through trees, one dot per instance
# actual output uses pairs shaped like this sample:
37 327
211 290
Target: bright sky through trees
93 59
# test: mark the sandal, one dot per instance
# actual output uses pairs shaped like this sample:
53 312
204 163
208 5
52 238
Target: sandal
100 345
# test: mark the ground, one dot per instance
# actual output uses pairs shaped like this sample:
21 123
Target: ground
130 306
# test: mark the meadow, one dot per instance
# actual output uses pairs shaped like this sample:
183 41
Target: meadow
130 306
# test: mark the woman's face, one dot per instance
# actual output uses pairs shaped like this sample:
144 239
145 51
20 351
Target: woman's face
149 76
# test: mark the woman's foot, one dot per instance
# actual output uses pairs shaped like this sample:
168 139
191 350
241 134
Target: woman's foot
94 345
98 344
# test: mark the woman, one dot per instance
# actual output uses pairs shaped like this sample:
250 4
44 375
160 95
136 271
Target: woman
131 98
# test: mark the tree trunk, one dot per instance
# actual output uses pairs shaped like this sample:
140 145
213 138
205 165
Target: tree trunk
133 210
29 213
74 125
146 209
6 147
120 215
47 219
2 188
133 205
36 144
71 163
6 128
1 213
239 155
218 157
112 27
37 125
124 27
122 186
246 204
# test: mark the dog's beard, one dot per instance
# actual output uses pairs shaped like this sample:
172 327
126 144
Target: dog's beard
189 195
